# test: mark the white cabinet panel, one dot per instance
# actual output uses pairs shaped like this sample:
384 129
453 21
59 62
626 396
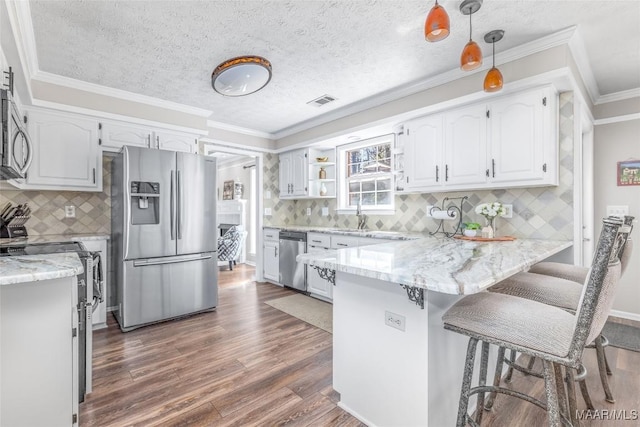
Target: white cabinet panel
115 136
66 154
271 261
176 141
293 174
341 242
466 145
423 153
316 285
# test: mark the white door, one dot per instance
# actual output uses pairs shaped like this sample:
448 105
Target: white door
271 261
423 153
516 138
299 177
466 145
186 143
65 151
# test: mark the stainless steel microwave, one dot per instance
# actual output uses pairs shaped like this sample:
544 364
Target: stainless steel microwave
16 149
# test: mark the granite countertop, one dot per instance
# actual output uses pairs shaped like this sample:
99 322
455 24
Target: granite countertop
441 264
54 238
375 234
33 268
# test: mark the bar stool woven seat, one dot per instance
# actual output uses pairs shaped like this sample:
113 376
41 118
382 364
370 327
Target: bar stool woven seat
556 336
560 285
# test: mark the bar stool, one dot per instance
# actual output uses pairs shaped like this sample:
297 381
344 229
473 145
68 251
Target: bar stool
540 330
560 285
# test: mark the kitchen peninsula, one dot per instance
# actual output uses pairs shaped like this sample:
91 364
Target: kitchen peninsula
394 364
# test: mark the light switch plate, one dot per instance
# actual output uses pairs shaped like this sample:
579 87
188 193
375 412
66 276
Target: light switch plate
308 211
267 194
508 211
618 211
267 211
325 211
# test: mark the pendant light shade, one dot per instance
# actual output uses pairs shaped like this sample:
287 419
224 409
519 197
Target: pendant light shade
493 81
471 57
436 27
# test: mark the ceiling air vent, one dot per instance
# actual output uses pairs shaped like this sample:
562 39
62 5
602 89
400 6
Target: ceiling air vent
323 100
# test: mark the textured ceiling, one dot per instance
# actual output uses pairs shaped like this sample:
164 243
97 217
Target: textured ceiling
351 50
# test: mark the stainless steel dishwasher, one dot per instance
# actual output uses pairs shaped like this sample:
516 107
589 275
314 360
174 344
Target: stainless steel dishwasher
292 273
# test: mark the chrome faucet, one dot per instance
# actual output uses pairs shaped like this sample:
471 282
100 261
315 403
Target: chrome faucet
362 218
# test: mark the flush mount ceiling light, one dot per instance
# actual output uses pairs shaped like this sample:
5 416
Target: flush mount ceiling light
471 57
241 76
436 27
493 80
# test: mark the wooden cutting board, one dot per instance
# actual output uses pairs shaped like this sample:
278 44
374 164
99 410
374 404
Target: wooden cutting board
486 239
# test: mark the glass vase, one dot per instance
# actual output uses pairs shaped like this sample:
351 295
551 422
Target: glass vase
489 230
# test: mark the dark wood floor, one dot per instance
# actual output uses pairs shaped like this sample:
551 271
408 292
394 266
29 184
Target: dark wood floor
250 364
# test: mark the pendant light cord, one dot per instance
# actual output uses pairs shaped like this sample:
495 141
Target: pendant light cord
470 28
493 45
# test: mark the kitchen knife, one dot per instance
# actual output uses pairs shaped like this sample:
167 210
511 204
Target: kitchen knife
5 209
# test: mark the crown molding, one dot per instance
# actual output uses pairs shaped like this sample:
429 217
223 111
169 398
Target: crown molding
617 119
103 115
55 79
576 46
556 39
619 96
238 129
232 147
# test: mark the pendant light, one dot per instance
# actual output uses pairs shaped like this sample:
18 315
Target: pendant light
493 80
471 57
436 27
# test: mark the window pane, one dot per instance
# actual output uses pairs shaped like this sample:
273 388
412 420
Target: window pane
368 199
354 187
384 198
355 169
369 185
353 199
384 184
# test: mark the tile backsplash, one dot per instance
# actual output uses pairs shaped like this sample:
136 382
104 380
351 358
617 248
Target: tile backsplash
541 212
93 210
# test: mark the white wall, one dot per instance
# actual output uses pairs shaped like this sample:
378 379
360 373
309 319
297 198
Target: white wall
613 143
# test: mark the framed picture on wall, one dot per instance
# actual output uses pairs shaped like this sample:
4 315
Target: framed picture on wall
628 173
227 190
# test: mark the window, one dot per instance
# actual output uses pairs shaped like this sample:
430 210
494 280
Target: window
366 174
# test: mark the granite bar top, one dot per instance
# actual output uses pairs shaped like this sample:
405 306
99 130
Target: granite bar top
33 268
53 238
440 264
375 234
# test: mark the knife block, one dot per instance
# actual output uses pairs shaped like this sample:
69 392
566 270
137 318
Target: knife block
12 231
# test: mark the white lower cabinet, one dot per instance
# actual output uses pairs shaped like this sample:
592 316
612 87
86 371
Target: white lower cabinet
271 257
316 285
39 353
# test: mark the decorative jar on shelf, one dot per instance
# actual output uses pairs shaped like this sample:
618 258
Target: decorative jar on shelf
488 231
323 189
322 174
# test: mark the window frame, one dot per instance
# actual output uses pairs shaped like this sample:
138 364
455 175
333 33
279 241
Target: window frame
342 181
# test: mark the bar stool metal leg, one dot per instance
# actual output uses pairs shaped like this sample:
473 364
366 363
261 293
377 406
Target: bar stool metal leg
602 368
571 397
466 382
553 410
484 360
512 358
496 379
581 378
560 390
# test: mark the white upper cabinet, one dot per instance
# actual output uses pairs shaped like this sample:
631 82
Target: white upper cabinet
293 174
175 141
423 153
520 126
509 142
115 135
465 146
65 154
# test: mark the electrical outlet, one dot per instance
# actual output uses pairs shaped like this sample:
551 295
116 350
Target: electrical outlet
308 211
618 211
69 211
325 211
508 211
394 320
267 211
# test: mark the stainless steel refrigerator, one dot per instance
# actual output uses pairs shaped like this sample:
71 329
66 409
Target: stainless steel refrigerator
163 235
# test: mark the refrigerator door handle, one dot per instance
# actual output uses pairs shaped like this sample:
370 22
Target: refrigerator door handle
172 260
179 207
173 205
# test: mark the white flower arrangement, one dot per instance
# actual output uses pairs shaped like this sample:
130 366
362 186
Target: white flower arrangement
490 210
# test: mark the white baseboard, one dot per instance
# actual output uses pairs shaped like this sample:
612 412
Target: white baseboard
625 315
356 415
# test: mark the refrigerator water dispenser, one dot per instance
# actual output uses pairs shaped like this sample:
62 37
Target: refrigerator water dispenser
145 202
